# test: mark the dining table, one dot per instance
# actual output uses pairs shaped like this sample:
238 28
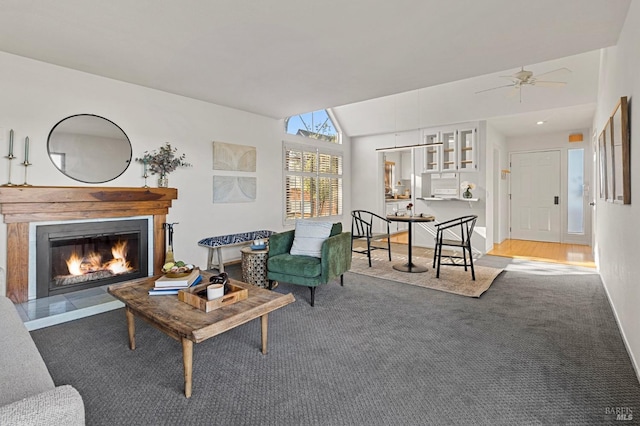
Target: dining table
410 219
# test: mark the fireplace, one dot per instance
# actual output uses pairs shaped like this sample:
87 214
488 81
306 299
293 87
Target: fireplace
22 207
76 256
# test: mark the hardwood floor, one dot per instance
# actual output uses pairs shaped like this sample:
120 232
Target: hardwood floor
570 254
401 238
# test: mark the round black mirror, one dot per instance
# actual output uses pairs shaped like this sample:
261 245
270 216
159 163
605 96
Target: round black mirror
89 148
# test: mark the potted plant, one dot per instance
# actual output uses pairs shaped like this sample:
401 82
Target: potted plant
162 161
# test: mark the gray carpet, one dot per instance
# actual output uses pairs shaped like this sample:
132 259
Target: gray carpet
534 349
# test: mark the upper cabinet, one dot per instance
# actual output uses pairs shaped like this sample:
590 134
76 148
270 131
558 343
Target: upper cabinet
449 150
467 149
432 158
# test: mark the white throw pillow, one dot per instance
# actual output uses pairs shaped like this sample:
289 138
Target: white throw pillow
309 236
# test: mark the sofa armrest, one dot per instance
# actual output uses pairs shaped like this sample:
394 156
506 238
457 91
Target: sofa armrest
281 242
336 256
60 406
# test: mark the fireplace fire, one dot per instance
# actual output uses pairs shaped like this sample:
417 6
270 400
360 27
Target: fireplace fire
91 267
76 256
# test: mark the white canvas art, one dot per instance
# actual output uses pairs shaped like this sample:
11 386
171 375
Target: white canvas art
234 189
237 158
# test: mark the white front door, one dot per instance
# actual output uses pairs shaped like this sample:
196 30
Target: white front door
535 196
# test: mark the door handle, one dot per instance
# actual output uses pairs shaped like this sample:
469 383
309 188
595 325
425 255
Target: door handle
556 200
593 203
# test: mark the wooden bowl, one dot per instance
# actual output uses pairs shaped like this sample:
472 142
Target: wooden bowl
177 274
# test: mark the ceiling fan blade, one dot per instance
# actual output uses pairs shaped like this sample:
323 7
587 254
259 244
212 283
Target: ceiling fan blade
549 83
494 88
559 71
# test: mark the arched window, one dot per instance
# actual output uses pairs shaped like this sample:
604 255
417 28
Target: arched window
315 125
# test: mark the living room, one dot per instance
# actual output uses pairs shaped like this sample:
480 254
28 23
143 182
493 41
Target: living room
38 94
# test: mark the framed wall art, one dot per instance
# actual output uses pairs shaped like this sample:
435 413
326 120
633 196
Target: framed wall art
232 157
602 165
619 126
234 189
606 134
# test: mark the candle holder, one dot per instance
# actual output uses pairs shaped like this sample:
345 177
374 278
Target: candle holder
10 157
145 176
26 164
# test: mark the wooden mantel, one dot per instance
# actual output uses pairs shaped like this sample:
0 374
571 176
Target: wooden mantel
22 205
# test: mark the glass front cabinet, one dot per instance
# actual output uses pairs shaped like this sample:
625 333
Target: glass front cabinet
450 150
467 149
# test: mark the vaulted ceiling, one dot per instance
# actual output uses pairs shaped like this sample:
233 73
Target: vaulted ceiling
283 57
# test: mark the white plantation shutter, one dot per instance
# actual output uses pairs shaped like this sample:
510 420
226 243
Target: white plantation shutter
312 182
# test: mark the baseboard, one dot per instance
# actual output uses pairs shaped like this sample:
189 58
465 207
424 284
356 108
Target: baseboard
634 362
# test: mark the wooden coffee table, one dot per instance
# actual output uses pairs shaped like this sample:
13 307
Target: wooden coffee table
190 325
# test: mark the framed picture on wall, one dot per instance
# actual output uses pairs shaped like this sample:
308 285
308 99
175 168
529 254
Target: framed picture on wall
606 135
619 124
602 165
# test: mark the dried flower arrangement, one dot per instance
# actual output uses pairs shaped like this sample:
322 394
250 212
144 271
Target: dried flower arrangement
467 185
163 161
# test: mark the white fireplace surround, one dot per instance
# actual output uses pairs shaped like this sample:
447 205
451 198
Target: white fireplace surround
32 244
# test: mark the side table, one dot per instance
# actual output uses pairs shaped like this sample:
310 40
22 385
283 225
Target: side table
254 266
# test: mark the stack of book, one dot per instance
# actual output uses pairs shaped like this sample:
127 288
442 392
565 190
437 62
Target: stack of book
166 285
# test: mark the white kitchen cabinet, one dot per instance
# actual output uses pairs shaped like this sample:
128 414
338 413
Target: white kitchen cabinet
450 150
432 159
467 150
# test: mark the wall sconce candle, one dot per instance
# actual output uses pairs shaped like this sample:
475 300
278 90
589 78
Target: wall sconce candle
11 143
26 150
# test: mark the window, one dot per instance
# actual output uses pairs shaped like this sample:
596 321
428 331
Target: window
575 187
312 182
315 125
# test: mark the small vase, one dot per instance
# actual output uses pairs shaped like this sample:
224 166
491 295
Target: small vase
467 194
163 181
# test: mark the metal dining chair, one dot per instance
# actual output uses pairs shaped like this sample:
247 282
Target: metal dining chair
362 225
465 225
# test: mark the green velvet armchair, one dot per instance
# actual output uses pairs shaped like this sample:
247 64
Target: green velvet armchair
306 270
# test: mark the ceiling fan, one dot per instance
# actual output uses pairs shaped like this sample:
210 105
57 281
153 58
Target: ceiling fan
527 78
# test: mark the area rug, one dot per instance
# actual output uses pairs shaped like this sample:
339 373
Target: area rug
452 279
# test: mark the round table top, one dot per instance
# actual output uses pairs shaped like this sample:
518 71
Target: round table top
250 250
411 218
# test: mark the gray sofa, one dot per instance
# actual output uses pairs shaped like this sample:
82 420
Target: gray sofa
28 395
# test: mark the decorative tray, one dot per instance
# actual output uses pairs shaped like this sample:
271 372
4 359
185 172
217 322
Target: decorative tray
196 296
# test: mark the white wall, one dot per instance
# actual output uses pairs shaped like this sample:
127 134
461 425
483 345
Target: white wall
618 236
36 95
560 141
497 146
